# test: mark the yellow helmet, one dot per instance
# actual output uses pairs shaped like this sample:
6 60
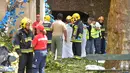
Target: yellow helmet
68 17
76 16
24 21
47 18
101 18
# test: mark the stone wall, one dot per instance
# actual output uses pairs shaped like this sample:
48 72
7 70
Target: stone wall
93 7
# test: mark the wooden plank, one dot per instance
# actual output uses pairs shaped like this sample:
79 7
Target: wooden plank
109 70
108 57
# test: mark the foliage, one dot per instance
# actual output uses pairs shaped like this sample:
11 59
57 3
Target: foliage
6 40
69 65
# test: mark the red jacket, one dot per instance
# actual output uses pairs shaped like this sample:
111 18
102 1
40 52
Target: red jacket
40 42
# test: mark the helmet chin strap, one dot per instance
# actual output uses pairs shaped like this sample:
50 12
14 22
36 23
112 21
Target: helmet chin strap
27 30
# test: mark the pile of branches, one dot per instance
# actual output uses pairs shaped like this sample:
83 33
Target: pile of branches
5 40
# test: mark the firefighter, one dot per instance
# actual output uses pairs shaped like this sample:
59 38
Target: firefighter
67 46
22 45
40 50
103 41
77 34
47 25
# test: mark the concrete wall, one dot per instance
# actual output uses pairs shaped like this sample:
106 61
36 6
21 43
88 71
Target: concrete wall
29 10
2 8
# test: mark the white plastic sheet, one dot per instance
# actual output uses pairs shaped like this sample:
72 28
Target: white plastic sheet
83 44
67 46
94 67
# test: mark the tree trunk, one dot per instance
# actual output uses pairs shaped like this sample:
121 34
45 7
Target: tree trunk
118 30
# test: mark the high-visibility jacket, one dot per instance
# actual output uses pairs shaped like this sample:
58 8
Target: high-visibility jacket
47 25
22 41
77 31
95 33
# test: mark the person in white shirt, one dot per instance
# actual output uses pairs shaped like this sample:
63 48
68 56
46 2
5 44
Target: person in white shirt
67 46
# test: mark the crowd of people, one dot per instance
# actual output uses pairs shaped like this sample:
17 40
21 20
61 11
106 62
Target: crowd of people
64 39
79 38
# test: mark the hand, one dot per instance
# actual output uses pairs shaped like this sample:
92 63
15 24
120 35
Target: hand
65 40
79 39
73 38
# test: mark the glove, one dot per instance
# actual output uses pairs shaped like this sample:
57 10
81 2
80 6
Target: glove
78 38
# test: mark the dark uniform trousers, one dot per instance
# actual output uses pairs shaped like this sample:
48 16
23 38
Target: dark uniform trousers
25 61
49 36
77 34
103 45
76 48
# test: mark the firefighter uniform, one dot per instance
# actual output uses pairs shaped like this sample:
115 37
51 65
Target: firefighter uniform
77 34
47 25
22 45
103 41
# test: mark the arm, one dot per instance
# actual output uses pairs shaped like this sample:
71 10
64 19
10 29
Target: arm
97 28
65 35
17 44
80 29
44 31
33 28
74 32
65 32
34 42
